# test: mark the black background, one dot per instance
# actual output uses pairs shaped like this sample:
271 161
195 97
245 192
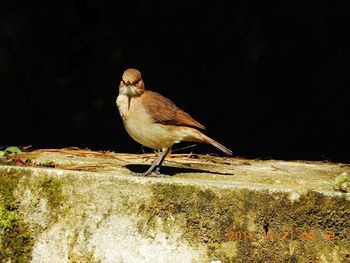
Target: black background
268 80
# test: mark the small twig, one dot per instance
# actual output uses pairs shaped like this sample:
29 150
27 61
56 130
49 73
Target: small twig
183 148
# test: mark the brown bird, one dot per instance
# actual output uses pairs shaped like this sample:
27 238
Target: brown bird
154 121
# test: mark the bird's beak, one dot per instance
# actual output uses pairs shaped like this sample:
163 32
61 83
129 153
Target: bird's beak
130 90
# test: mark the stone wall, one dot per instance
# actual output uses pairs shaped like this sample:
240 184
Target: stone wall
82 206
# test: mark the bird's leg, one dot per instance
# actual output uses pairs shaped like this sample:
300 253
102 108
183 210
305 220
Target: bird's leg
161 160
156 164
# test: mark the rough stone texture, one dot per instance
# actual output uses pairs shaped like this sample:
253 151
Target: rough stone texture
82 206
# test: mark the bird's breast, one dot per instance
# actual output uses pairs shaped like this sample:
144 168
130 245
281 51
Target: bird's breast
139 124
133 113
143 129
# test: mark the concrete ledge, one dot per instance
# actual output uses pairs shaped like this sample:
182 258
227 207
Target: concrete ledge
82 206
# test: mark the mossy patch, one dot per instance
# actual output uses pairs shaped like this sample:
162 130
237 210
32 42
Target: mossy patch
16 235
7 217
77 258
223 219
201 215
51 189
16 241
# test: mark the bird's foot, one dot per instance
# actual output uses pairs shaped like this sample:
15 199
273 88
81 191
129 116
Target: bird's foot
155 173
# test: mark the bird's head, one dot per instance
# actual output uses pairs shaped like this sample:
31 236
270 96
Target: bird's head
131 84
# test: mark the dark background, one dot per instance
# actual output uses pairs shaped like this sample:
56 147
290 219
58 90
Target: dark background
268 80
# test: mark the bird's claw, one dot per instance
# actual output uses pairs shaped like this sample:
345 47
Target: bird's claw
155 173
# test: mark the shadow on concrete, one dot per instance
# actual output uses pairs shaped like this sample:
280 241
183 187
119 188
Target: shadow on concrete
168 170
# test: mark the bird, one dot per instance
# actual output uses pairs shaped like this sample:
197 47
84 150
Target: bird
155 121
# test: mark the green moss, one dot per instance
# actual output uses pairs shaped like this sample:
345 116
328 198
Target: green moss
313 212
207 217
202 216
77 258
7 217
16 241
16 237
51 189
332 214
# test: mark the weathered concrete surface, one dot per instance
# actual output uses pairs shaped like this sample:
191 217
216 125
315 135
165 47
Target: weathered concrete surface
82 206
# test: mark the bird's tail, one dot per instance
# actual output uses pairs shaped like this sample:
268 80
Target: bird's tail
209 140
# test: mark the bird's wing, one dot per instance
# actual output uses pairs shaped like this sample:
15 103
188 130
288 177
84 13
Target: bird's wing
164 111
